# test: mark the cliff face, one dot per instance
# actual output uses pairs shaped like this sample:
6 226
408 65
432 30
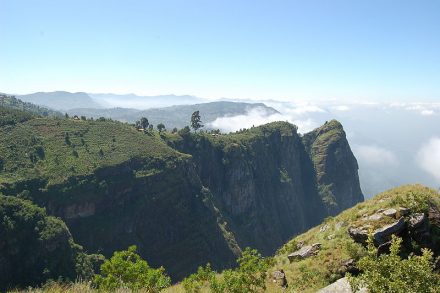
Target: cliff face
269 186
120 187
335 165
167 214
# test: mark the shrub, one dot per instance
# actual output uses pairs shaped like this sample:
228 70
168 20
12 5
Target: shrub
126 269
392 274
249 276
195 282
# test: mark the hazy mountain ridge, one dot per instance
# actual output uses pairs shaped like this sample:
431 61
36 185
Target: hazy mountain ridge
60 100
175 116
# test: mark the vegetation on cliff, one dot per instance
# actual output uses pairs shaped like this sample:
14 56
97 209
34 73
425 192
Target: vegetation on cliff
334 163
35 247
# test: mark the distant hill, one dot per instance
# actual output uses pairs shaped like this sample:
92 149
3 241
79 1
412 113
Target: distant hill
175 116
10 102
143 102
61 100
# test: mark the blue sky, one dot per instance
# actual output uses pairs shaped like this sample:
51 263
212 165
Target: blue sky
311 49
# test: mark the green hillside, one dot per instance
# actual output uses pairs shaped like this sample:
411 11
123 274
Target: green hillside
55 149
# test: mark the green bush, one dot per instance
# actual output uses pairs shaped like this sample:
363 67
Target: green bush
195 282
249 276
126 269
392 274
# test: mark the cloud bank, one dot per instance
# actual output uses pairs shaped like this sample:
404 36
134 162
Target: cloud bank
258 116
428 157
375 155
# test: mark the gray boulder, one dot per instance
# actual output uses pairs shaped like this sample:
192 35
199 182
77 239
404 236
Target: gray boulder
359 235
340 286
383 234
416 220
390 212
304 252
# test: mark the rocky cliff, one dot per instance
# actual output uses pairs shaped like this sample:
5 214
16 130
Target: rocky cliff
271 183
335 166
200 199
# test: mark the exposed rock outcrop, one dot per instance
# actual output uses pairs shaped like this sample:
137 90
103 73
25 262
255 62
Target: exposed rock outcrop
413 227
335 165
304 252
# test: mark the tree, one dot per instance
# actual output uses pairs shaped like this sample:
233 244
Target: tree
196 122
126 269
392 274
144 123
151 127
160 127
83 118
184 131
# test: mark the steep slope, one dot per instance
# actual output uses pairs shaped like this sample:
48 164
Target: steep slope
335 165
115 187
175 116
35 247
338 251
265 181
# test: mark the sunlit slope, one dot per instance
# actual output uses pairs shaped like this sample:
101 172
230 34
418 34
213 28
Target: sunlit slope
337 247
56 149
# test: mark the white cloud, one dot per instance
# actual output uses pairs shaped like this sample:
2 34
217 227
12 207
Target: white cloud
427 112
428 157
375 155
258 116
341 108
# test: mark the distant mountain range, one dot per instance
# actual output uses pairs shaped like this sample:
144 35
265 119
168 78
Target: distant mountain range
63 101
142 102
60 100
175 116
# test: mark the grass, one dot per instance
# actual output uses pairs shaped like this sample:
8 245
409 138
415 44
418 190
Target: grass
57 149
319 271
